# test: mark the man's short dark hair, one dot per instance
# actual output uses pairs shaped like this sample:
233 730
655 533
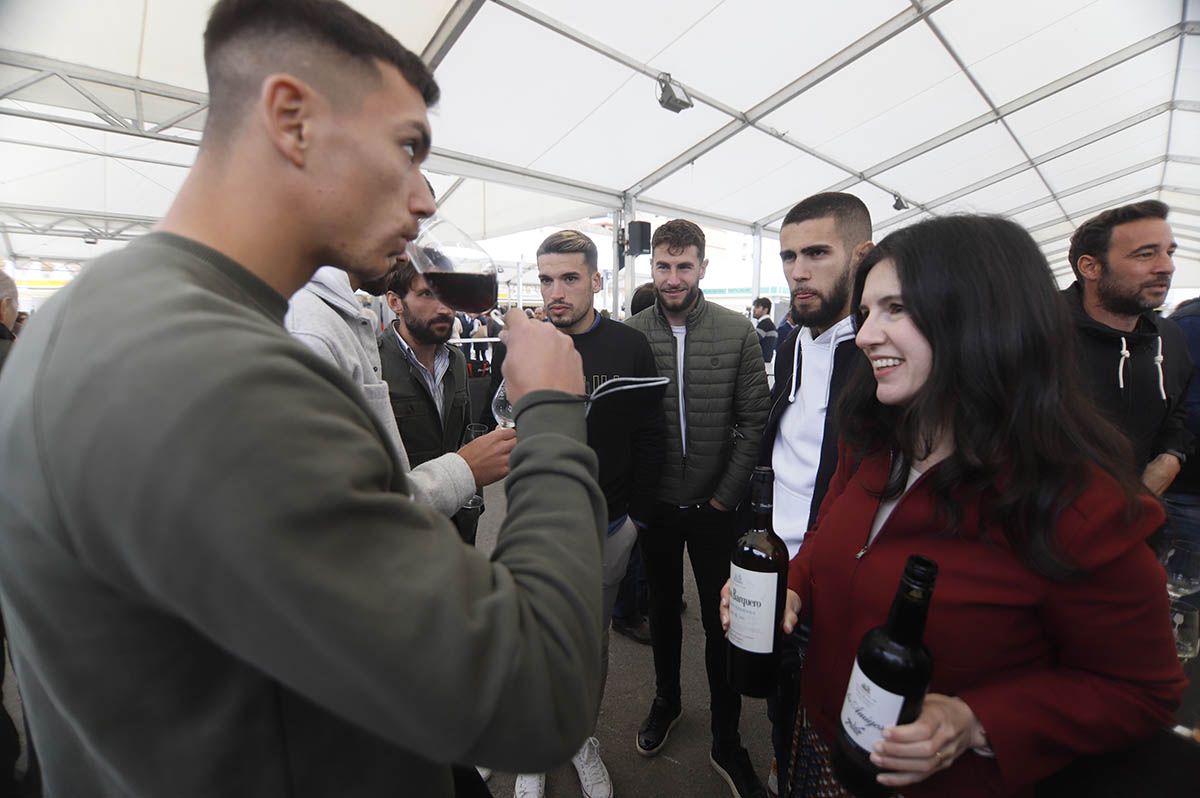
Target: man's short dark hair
402 280
677 235
246 40
850 214
643 297
762 302
567 242
1094 236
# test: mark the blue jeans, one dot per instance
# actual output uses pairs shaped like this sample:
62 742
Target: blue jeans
1183 516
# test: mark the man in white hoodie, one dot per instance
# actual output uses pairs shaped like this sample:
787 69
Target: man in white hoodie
822 241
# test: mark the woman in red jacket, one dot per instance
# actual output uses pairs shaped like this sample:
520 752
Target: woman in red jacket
967 438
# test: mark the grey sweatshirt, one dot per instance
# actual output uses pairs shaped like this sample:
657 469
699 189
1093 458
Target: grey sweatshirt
325 317
215 584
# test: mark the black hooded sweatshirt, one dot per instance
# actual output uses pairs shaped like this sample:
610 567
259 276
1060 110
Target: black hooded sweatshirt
1135 389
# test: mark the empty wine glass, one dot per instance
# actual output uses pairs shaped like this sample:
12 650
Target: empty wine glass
1182 563
474 431
502 409
1185 622
455 267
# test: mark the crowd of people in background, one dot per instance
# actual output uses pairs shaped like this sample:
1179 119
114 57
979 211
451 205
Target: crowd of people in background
265 504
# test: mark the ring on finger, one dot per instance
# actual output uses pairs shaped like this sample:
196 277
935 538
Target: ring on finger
939 756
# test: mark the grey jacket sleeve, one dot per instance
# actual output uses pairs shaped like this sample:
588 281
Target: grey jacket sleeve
281 537
751 402
445 483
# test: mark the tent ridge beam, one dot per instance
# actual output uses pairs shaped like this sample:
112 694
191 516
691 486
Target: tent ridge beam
826 69
448 32
987 98
114 79
25 83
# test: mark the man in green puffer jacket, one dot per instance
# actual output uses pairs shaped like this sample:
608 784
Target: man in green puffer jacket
716 407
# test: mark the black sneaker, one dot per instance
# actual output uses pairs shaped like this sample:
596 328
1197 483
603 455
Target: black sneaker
637 632
733 765
657 726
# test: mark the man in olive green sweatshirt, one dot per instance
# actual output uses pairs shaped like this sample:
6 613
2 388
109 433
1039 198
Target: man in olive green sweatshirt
214 580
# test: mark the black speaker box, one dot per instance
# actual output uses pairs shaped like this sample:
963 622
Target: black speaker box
639 238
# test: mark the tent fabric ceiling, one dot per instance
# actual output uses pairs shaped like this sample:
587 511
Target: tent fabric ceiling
1042 110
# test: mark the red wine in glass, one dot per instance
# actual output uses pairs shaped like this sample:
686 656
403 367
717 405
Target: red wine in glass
472 293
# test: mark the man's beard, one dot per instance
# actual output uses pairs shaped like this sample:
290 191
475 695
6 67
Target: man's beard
422 330
689 299
569 321
830 308
1119 302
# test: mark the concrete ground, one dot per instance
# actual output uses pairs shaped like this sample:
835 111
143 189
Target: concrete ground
682 768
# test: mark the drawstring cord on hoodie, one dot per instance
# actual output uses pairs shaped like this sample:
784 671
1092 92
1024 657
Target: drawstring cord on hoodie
1121 364
1158 361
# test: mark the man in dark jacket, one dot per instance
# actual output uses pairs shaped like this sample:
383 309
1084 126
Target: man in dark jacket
768 336
821 243
1182 499
625 430
427 387
714 409
1135 363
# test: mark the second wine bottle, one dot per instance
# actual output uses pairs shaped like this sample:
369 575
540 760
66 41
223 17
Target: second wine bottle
757 593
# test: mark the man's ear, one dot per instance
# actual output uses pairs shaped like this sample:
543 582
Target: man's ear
393 301
703 268
1090 267
861 251
286 106
597 282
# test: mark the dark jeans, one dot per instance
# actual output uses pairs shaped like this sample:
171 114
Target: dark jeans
633 602
1183 516
469 784
709 536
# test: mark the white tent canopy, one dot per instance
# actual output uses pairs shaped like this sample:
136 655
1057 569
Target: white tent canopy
1047 111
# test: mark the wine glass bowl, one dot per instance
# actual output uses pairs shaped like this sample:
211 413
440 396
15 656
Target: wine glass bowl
1182 564
502 408
455 267
1185 623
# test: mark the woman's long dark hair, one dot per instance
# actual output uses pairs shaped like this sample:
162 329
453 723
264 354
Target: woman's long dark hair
1004 383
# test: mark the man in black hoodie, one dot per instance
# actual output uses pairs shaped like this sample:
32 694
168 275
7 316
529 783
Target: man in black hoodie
1135 363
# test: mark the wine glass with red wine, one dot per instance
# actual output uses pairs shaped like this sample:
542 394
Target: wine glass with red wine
455 267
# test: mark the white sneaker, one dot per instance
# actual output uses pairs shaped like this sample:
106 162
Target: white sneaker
593 776
530 785
484 773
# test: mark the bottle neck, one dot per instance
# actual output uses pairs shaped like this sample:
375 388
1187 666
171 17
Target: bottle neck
906 621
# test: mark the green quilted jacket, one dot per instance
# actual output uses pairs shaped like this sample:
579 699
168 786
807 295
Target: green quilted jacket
725 396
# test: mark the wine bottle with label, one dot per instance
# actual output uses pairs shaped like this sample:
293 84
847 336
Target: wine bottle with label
888 682
757 593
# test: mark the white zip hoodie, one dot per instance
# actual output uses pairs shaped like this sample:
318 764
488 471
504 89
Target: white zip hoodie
797 453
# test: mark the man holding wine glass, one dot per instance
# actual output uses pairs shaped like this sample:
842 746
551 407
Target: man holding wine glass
224 530
429 398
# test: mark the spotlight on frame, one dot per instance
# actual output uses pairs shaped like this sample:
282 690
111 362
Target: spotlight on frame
672 95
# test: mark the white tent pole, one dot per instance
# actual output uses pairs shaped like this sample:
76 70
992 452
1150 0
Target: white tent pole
618 224
631 261
756 277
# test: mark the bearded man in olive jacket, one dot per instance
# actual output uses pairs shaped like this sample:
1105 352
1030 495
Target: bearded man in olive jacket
715 406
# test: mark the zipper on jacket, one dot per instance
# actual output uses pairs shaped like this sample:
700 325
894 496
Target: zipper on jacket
867 543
